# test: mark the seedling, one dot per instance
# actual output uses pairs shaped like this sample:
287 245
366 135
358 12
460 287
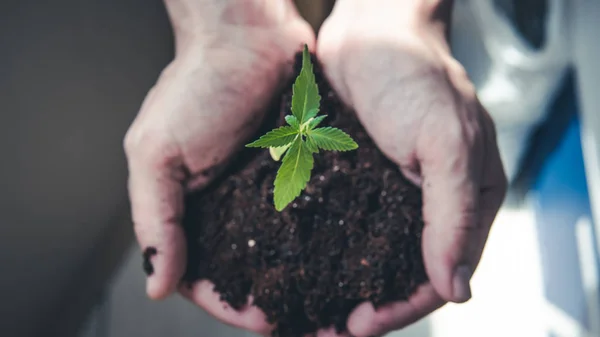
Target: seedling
300 139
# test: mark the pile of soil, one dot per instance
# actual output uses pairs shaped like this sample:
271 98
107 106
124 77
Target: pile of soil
353 235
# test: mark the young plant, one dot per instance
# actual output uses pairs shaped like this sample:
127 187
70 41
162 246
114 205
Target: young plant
300 139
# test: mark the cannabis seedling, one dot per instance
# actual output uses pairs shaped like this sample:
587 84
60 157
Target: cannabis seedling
301 138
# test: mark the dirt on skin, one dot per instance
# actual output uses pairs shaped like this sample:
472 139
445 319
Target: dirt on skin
353 235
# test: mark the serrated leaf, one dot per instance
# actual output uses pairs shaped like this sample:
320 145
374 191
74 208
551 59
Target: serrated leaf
275 138
305 97
292 121
311 113
315 122
333 139
293 175
311 145
277 152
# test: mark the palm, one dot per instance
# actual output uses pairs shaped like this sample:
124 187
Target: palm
212 102
389 85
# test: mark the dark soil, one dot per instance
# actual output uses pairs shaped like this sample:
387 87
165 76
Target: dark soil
147 264
353 235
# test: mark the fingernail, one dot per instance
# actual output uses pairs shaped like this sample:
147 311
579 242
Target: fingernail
460 284
149 252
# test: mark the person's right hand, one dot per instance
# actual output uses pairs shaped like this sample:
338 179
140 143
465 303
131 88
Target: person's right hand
206 104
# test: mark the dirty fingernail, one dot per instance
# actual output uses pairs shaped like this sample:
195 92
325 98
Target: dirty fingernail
149 252
461 284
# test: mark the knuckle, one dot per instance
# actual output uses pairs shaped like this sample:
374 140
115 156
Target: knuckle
457 69
468 220
150 145
130 141
454 135
460 78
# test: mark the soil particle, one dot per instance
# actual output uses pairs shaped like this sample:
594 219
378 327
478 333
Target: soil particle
149 252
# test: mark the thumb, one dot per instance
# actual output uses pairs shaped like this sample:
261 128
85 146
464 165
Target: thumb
450 157
156 193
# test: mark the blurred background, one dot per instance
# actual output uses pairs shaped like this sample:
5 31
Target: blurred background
73 74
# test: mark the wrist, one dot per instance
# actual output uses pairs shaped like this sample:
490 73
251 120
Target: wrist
430 16
206 16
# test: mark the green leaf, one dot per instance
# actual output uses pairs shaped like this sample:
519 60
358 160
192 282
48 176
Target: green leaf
315 122
277 152
305 97
293 175
311 144
292 121
333 139
275 138
311 113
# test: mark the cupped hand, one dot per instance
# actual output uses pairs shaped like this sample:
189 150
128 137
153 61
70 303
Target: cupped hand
230 58
420 108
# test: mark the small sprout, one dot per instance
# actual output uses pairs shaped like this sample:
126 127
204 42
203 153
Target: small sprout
251 243
277 152
298 141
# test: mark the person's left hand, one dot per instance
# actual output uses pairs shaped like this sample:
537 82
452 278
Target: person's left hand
418 105
231 56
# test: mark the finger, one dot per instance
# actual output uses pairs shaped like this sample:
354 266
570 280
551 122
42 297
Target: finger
366 321
330 332
249 318
156 195
450 155
494 182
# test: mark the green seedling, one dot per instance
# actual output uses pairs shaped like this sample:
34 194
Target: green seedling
301 138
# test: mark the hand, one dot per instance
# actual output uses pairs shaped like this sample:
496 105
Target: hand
420 108
230 57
